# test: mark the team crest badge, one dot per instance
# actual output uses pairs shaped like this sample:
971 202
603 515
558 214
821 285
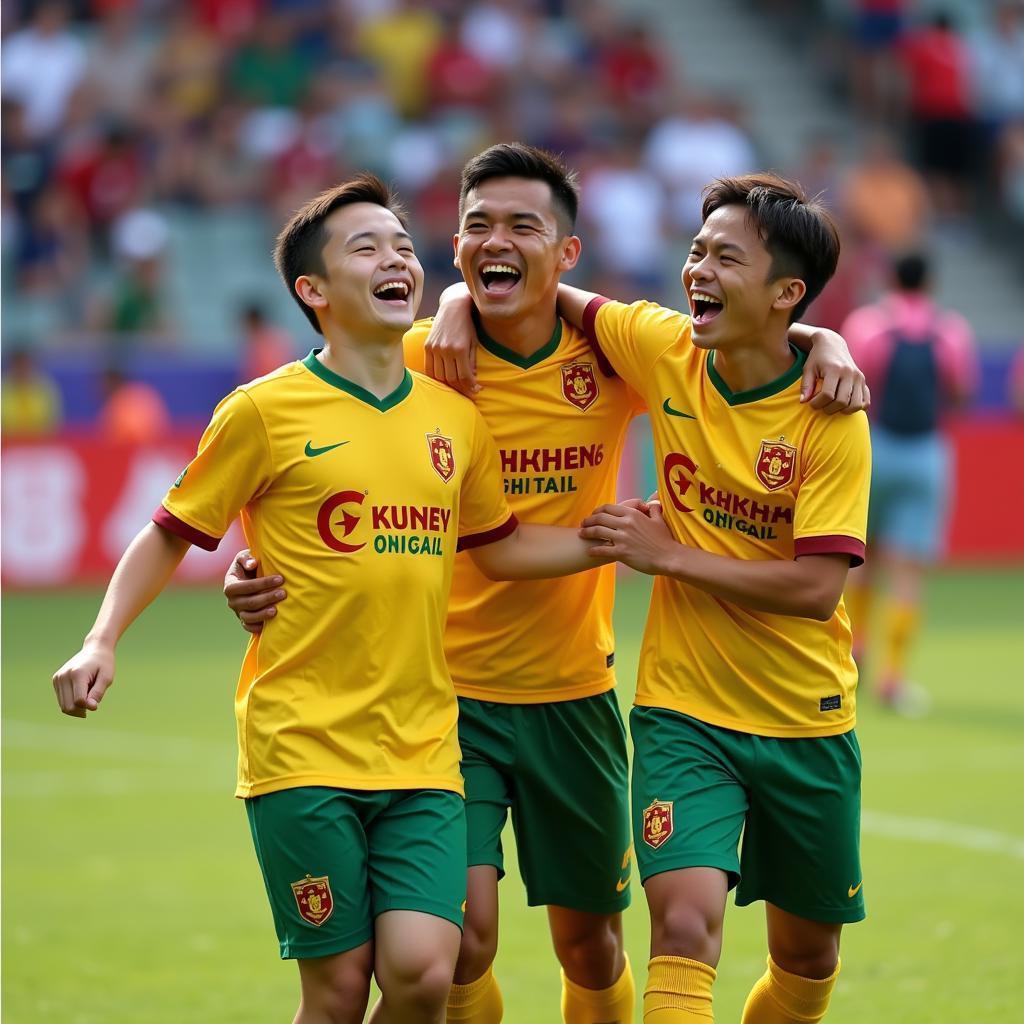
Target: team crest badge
658 823
579 385
442 458
314 899
776 464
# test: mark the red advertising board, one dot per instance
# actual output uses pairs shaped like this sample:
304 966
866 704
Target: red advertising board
70 506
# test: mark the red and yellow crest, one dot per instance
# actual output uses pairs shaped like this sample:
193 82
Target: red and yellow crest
775 464
658 823
314 899
579 384
442 457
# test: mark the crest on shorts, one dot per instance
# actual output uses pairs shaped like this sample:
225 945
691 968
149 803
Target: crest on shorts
775 464
658 823
579 385
442 457
314 899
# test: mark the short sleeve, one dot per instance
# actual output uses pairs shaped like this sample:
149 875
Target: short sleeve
412 344
232 466
629 340
832 504
484 514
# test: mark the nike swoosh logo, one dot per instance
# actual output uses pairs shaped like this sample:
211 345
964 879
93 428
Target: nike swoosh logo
854 889
314 452
620 884
675 412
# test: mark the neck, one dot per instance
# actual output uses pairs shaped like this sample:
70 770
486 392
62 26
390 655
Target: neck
376 365
745 367
526 334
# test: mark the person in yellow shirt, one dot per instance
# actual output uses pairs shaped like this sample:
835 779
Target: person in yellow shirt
358 480
30 404
540 730
745 705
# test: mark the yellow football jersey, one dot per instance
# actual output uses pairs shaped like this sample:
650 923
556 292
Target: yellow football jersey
754 475
560 423
360 503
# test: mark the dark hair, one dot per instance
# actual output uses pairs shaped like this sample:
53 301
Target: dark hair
797 231
911 272
517 160
300 245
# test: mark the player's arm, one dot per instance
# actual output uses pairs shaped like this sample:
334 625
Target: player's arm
829 364
807 587
141 574
449 353
533 551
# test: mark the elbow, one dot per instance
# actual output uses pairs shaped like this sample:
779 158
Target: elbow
821 607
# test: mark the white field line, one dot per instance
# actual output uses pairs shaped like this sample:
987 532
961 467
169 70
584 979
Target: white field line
942 833
81 738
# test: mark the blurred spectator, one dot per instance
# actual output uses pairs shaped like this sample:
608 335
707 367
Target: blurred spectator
920 363
623 210
119 61
43 64
30 404
695 143
187 66
135 304
884 201
997 62
457 76
877 29
133 412
267 71
400 42
937 66
53 244
265 347
634 73
496 32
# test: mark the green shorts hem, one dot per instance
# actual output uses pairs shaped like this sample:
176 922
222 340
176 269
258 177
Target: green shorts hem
611 906
435 908
327 947
826 915
694 860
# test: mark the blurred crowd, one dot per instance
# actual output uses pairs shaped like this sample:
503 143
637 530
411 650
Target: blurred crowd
119 116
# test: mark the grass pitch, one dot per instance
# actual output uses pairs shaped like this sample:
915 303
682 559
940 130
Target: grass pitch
131 894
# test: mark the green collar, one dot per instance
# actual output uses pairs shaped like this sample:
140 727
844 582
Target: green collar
342 384
523 362
765 390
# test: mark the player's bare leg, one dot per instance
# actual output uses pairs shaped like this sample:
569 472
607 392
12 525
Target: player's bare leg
335 989
475 997
902 616
414 958
596 984
687 913
802 970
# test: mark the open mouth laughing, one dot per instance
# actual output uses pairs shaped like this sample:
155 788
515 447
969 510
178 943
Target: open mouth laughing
395 291
705 307
499 278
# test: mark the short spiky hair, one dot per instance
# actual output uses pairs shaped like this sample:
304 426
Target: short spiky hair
517 160
797 231
300 245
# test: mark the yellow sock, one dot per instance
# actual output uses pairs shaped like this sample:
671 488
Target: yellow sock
782 998
479 1002
613 1005
678 991
900 628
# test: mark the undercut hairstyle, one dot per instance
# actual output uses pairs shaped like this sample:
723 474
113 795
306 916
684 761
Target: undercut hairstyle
299 248
799 233
517 160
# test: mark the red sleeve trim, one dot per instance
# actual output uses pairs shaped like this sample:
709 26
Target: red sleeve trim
478 540
173 524
590 330
833 544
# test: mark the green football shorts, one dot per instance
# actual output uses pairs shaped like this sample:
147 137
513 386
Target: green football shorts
561 769
333 859
696 787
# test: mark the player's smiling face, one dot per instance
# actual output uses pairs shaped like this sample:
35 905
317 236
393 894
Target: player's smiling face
512 247
726 278
373 281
